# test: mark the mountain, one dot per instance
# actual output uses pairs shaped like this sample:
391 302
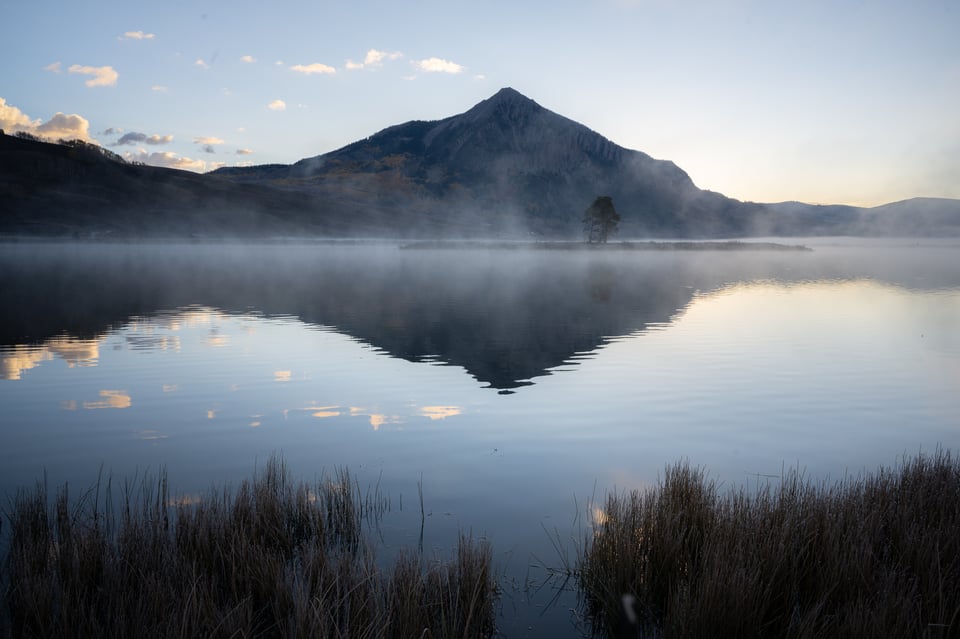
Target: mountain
507 167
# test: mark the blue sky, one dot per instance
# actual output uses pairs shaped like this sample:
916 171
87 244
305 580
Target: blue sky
820 101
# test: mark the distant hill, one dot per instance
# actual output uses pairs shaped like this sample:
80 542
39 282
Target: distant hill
81 190
507 167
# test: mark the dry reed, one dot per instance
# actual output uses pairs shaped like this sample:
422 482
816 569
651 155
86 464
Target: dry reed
271 559
872 556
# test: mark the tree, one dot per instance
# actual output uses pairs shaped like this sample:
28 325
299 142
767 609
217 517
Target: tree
600 220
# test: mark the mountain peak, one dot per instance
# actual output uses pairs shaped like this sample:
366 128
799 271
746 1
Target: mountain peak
509 94
508 103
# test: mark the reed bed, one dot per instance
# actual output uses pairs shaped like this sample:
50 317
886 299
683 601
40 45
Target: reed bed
871 556
271 559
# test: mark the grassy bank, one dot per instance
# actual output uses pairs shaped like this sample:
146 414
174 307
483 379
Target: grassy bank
872 556
271 559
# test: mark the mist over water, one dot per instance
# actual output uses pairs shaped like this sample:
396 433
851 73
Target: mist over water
513 384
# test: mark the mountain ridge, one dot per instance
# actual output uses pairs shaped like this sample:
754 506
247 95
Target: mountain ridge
506 167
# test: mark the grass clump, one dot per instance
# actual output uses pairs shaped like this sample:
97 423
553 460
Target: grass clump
872 556
271 559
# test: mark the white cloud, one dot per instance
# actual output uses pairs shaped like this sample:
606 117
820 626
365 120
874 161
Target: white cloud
13 119
310 69
53 68
249 59
244 151
166 159
159 89
207 140
374 58
137 35
61 125
199 62
438 65
277 105
102 76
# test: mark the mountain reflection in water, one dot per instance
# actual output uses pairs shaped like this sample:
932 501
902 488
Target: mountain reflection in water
506 317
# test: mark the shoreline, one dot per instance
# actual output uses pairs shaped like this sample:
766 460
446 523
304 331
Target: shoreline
641 245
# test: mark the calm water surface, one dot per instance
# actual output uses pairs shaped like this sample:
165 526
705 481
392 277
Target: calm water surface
515 385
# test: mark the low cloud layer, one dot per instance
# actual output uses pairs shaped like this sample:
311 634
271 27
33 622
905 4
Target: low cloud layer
166 159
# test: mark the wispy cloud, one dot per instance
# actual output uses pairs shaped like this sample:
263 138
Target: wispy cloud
374 58
277 105
102 76
438 65
159 89
53 68
244 151
61 125
200 62
249 59
137 35
312 69
134 137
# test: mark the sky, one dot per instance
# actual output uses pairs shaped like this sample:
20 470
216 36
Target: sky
839 101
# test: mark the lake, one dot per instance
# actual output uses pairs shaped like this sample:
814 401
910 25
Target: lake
512 386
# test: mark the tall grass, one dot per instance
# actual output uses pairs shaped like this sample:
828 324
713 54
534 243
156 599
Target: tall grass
271 559
872 556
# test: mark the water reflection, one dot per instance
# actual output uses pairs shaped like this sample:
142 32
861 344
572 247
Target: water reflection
75 352
507 318
110 399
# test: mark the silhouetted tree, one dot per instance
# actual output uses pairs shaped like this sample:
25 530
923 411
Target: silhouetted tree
600 220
